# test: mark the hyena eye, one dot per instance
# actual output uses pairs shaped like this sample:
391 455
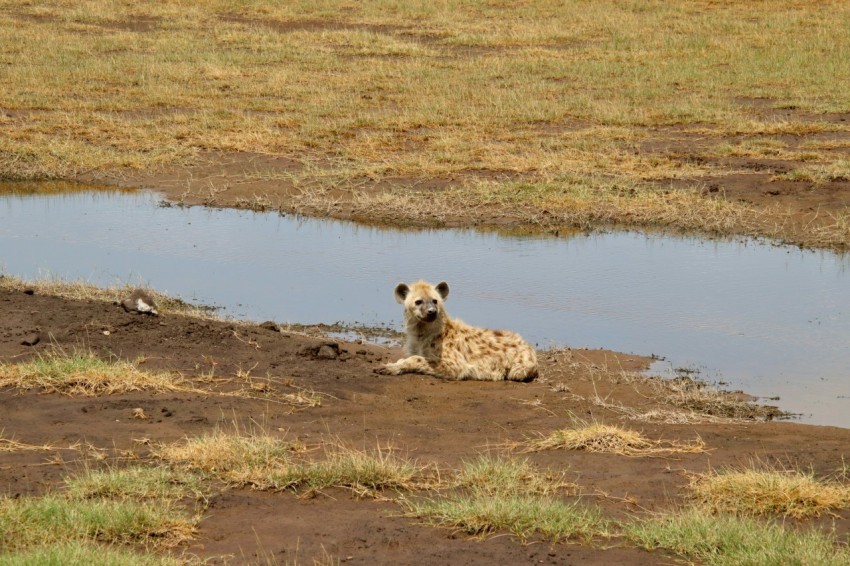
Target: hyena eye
434 301
418 302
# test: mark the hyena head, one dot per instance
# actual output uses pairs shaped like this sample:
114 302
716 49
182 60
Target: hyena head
422 301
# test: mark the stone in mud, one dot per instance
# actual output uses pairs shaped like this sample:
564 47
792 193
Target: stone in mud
325 351
270 325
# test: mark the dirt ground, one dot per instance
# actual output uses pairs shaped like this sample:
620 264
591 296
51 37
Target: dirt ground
423 418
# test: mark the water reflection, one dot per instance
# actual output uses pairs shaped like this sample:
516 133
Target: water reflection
774 321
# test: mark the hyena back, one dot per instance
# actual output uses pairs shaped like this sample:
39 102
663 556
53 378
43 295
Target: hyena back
445 347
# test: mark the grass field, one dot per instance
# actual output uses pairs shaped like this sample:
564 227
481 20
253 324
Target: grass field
596 112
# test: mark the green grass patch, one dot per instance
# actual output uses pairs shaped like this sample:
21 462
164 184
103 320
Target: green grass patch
495 494
136 483
727 540
500 475
523 515
51 519
83 373
77 553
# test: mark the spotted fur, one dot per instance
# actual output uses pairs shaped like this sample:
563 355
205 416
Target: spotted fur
441 346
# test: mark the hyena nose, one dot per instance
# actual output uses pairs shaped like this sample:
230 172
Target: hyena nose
432 311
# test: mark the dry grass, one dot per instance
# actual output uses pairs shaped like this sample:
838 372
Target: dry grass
577 201
377 91
271 463
697 396
680 400
763 491
235 454
686 401
12 445
83 373
602 438
268 388
659 415
84 291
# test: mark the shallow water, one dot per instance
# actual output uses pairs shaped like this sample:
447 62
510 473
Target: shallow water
773 321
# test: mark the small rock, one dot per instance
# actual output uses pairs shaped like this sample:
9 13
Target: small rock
270 325
328 352
31 339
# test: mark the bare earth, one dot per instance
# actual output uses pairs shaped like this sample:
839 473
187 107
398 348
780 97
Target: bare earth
426 419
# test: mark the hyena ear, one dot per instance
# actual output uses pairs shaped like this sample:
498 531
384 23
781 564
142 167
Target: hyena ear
443 289
401 291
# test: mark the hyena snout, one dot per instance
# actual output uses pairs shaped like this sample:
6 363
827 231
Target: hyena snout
426 313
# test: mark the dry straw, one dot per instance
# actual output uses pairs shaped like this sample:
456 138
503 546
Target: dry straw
83 373
601 438
764 491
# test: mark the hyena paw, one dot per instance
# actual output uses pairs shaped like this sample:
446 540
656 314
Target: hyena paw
388 369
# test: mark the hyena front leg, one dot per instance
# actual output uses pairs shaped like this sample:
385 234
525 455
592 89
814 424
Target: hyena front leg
413 364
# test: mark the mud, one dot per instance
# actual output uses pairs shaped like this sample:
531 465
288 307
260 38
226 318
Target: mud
426 419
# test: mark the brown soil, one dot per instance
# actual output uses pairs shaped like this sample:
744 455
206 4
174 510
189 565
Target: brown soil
429 420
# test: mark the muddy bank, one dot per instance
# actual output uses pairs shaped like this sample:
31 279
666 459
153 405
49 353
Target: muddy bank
429 420
789 199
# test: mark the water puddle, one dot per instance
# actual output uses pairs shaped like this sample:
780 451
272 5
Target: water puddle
773 321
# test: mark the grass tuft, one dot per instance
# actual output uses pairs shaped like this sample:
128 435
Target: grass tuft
492 494
240 458
79 553
137 483
34 521
83 373
265 462
598 437
505 476
522 515
765 492
725 540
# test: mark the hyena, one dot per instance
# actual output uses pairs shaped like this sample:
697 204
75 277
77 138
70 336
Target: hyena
449 348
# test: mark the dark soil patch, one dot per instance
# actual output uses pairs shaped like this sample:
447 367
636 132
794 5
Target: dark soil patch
430 420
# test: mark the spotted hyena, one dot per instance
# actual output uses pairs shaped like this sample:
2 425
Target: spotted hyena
446 347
